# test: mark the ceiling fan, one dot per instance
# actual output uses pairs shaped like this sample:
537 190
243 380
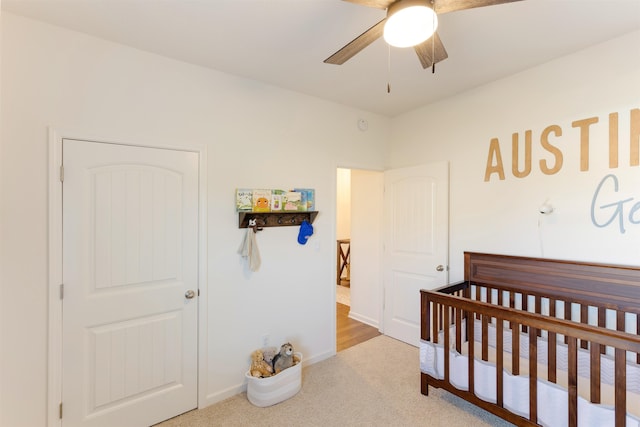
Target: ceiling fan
422 14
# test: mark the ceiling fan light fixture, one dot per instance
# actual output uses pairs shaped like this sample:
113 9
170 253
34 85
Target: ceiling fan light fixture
409 23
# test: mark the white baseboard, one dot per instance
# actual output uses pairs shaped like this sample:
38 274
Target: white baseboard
364 319
221 395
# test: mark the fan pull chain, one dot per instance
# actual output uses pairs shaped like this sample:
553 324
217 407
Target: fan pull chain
388 68
433 47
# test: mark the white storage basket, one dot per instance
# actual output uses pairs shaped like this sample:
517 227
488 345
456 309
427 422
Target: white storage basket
271 390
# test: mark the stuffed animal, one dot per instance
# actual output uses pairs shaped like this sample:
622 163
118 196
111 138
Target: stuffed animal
284 359
259 368
268 353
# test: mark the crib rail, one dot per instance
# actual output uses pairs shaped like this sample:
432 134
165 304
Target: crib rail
587 284
441 310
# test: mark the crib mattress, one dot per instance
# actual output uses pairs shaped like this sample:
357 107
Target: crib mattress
552 397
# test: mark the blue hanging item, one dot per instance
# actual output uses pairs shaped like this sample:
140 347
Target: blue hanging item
306 230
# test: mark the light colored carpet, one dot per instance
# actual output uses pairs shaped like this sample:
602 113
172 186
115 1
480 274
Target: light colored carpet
343 295
376 383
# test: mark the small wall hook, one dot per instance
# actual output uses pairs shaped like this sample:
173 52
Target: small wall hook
254 225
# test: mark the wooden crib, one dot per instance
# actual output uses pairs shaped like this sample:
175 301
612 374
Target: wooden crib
559 329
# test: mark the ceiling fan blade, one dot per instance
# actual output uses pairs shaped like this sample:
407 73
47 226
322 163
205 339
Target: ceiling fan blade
445 6
378 4
429 49
357 44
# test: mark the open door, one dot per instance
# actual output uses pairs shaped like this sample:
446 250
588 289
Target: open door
416 243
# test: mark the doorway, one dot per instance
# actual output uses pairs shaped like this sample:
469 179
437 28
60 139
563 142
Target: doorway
343 236
407 209
358 251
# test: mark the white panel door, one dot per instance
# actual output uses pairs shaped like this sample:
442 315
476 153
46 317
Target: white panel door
130 256
416 240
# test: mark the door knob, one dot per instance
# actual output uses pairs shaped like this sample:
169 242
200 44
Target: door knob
440 268
189 294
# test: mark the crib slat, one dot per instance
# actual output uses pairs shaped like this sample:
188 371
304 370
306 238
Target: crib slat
584 318
485 337
572 354
446 343
602 322
458 322
595 373
499 361
620 324
525 307
466 315
471 352
567 316
452 314
620 381
538 309
434 323
551 348
620 384
638 333
533 374
551 352
425 324
515 348
512 303
490 301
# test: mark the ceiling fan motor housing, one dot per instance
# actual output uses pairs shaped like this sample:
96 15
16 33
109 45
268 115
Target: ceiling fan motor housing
409 23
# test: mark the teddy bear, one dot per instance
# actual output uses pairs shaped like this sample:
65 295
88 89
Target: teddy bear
268 353
259 368
284 359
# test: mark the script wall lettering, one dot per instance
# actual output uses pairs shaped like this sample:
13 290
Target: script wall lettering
607 206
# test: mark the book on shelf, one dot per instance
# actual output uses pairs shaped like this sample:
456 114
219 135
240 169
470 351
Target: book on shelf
293 202
277 200
261 200
308 197
244 199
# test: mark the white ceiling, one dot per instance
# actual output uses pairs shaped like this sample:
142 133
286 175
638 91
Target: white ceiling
283 42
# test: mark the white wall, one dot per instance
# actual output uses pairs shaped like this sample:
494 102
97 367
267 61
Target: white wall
256 136
343 204
502 215
366 246
2 288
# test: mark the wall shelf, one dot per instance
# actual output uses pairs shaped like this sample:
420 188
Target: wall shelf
276 219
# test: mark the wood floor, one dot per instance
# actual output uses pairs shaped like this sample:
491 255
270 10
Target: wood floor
351 332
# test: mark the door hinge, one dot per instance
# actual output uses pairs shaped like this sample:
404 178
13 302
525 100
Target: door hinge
61 173
62 291
60 410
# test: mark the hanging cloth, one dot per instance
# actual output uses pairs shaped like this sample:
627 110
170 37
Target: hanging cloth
249 249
